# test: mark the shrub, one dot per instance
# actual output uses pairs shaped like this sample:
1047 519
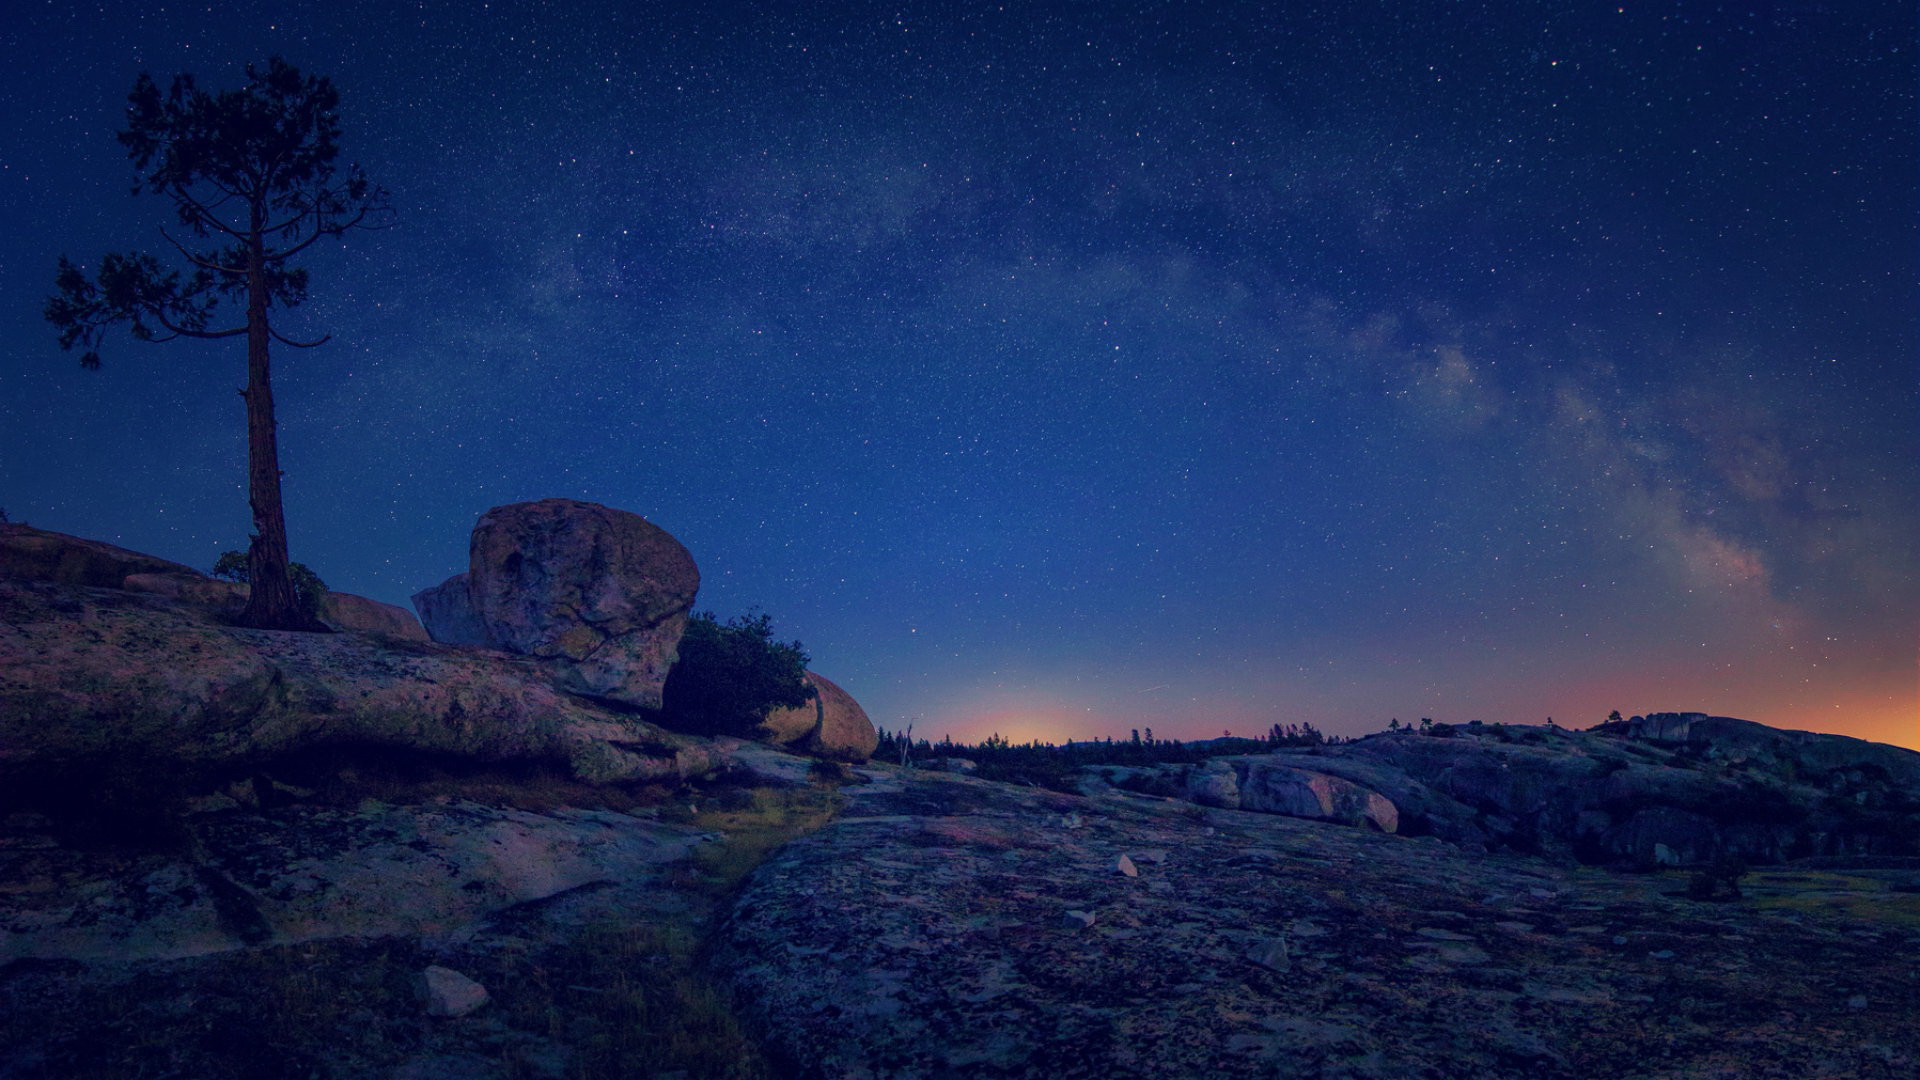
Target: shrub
308 590
1718 880
731 675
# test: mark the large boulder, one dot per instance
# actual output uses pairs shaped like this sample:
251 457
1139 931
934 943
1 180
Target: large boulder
345 611
792 726
832 725
446 610
600 595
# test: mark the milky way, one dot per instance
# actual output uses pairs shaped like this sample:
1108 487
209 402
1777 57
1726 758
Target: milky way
1191 366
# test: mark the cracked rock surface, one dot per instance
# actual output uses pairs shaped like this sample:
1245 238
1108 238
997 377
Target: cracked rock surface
946 926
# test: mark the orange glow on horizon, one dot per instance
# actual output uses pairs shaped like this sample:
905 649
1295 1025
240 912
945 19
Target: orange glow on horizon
1877 717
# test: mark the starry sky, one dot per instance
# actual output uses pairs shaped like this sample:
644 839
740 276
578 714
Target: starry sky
1059 370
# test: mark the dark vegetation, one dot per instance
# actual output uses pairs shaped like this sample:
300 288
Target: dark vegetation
731 675
308 590
252 178
1044 764
1719 880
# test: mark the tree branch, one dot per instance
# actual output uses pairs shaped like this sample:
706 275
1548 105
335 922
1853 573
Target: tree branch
181 331
205 214
200 262
284 340
318 232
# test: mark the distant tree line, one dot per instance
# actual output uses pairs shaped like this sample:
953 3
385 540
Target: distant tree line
1045 764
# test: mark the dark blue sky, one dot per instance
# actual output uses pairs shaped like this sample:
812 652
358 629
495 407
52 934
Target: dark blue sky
1059 370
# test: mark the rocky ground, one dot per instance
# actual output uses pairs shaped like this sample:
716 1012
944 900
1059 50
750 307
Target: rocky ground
945 926
252 854
292 940
936 925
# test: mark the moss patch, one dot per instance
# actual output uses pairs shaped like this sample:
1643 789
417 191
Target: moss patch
1877 897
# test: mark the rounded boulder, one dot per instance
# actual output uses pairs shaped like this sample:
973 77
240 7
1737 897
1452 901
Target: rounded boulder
601 594
832 725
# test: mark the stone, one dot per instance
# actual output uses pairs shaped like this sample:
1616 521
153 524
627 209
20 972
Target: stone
1271 954
445 992
762 763
794 725
1079 920
222 597
845 733
1672 790
345 611
446 611
1214 783
90 673
30 554
831 724
316 873
600 595
1281 789
970 949
1125 866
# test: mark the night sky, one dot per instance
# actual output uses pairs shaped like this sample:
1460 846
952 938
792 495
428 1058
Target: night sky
1062 370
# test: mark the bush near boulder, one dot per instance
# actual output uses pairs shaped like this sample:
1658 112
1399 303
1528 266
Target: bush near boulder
731 675
308 590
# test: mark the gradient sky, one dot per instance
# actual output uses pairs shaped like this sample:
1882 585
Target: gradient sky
1065 369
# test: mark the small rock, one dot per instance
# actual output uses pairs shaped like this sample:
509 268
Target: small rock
446 992
1619 939
214 803
1125 866
1271 954
1663 954
1080 920
1857 1002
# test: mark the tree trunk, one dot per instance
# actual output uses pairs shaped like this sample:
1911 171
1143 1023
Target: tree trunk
271 603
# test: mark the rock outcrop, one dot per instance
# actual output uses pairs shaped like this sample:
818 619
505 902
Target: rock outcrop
600 595
832 725
345 611
936 926
309 873
446 610
947 926
90 673
1280 789
1671 790
29 554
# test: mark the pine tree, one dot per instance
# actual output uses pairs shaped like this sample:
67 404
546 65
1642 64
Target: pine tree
252 177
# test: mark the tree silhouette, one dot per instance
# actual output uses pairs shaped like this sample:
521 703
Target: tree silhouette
253 181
